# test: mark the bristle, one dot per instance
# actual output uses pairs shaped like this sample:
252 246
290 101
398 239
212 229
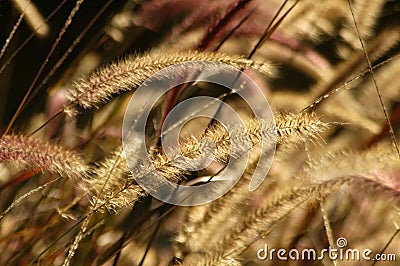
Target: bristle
29 152
379 163
111 184
129 73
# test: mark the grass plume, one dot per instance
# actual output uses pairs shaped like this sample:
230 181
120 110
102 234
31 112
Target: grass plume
29 152
129 73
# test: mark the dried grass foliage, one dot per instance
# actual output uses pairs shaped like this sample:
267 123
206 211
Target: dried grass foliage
114 186
129 73
336 163
30 153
